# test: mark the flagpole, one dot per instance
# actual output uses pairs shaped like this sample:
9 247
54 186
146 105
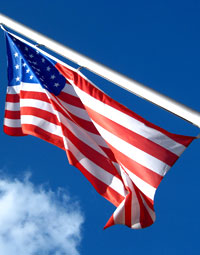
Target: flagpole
117 78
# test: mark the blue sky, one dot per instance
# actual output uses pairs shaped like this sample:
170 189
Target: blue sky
157 44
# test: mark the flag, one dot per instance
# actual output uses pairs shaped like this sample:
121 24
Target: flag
122 155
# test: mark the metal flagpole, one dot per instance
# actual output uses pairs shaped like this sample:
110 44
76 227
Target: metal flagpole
117 78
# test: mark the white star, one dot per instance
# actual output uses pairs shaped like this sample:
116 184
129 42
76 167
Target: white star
16 54
48 68
31 56
53 77
35 63
43 60
17 79
31 77
56 85
26 48
17 66
24 64
45 86
37 52
27 71
41 79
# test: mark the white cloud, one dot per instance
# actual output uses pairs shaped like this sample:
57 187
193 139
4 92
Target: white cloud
37 222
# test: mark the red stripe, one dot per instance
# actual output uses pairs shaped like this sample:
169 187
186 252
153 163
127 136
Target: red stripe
12 114
41 133
70 99
102 188
128 208
87 87
134 139
34 95
41 114
87 125
109 153
142 172
148 200
67 73
145 218
110 222
13 131
12 98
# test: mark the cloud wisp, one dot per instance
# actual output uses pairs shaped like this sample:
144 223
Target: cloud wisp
34 221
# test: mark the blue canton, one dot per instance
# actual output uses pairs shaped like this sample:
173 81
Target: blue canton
26 64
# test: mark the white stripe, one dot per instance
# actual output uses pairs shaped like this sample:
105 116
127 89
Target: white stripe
130 123
26 87
12 106
36 103
77 111
136 226
13 89
69 89
119 214
101 174
15 123
147 189
150 211
34 87
43 124
134 153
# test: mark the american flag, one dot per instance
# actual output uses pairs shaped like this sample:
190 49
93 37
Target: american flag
123 156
